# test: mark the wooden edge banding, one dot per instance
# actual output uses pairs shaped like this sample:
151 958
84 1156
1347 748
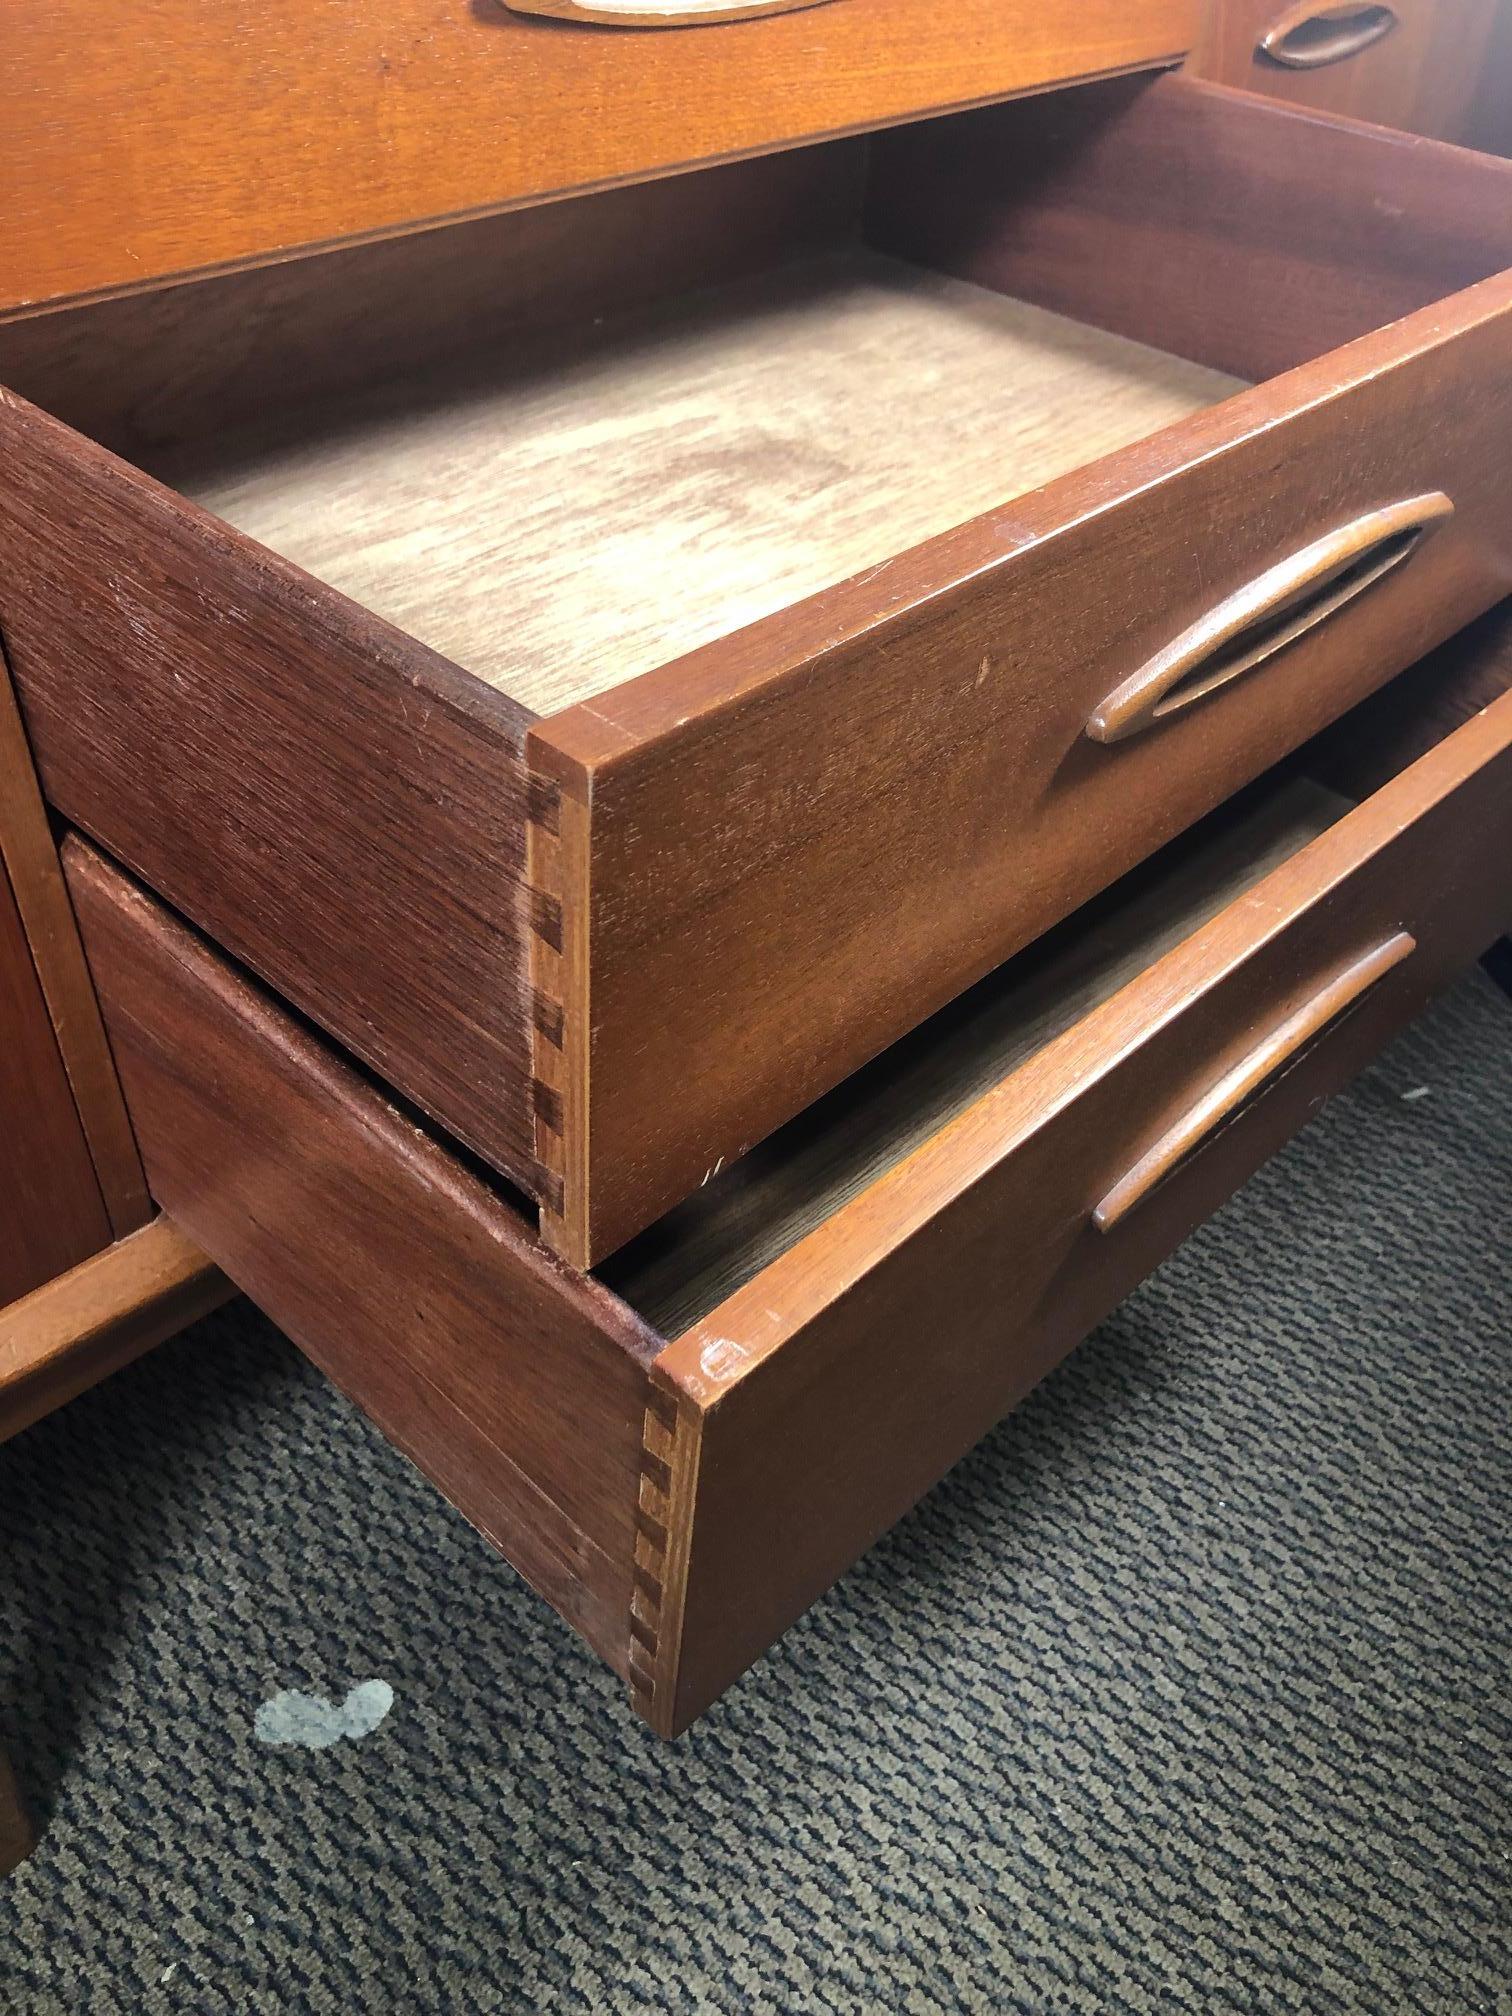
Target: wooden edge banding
670 1451
556 851
75 1331
31 862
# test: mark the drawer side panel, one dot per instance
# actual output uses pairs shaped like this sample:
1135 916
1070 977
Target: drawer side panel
517 1387
340 808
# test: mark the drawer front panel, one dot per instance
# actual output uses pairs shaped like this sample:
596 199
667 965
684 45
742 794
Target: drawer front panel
519 1388
165 142
815 1405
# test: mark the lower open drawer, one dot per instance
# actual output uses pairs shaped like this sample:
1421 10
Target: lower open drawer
683 1453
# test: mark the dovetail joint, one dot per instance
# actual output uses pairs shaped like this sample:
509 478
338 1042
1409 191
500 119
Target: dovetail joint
653 1516
549 1017
546 918
548 1104
552 1063
543 803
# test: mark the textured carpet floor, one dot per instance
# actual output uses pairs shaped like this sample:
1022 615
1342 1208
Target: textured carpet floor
1190 1690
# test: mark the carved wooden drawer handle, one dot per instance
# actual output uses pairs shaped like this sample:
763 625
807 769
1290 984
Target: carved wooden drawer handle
657 13
1253 624
1239 1088
1308 37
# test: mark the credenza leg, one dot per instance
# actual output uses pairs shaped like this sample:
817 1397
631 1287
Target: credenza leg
1498 963
16 1836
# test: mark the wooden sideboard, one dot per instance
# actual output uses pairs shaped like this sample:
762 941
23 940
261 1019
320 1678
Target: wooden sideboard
680 792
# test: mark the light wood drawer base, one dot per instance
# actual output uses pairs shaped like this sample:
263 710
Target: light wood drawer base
683 1457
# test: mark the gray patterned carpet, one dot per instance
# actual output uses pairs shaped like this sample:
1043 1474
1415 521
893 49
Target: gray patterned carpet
1190 1690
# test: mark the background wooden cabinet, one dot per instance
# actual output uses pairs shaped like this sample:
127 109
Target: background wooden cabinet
1439 67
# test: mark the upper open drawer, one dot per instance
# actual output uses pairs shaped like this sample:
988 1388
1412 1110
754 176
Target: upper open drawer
148 141
611 919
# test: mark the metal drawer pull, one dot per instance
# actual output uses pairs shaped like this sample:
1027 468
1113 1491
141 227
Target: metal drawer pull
1309 37
1253 624
657 13
1254 1074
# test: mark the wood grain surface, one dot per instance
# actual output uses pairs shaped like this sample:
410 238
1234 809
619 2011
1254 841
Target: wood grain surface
344 810
77 1329
517 1386
569 520
54 1214
821 1399
1424 76
167 138
29 857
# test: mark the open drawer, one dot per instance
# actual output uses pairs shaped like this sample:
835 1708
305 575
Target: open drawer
611 919
683 1453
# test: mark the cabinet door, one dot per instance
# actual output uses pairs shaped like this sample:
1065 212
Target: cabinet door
52 1214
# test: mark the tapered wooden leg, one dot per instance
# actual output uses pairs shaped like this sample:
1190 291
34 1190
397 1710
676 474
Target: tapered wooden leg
16 1837
1498 963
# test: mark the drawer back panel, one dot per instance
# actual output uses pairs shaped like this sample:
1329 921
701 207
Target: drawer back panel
182 371
1207 222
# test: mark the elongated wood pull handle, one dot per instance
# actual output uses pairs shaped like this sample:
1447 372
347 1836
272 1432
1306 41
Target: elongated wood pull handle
657 13
1254 623
1310 37
1255 1072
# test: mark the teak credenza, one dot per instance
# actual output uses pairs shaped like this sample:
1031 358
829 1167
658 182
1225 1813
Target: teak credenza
706 815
